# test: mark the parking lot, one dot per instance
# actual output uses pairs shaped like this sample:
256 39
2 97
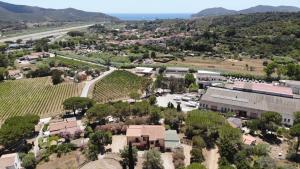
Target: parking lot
163 101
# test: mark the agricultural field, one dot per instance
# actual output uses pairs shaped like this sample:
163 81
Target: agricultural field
118 85
249 66
34 96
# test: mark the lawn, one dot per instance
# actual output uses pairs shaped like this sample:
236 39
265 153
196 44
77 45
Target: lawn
118 85
34 96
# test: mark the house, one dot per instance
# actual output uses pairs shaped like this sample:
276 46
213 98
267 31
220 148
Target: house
295 85
207 78
172 140
146 136
176 72
264 88
249 140
69 125
10 161
14 74
249 104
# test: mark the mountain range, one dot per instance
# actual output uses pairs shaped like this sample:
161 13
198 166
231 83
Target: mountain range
257 9
22 13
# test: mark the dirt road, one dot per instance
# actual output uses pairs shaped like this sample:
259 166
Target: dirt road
212 157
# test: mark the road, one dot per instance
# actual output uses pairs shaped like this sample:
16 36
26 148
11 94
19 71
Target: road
88 84
40 35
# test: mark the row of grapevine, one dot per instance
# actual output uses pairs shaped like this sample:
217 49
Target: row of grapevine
118 85
34 96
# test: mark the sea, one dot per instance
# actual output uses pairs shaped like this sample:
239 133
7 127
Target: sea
150 17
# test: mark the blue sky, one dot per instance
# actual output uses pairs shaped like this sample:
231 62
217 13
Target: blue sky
151 6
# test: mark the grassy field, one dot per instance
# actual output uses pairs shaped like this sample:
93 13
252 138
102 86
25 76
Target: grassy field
118 85
228 65
34 96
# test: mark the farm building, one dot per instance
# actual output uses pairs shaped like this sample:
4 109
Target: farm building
14 74
207 78
249 104
10 161
295 85
146 136
176 72
144 70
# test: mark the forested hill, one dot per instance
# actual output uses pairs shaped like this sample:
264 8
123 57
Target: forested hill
256 9
21 13
261 35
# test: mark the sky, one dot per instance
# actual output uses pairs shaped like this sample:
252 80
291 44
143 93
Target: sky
151 6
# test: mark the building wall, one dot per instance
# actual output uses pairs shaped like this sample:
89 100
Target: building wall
242 111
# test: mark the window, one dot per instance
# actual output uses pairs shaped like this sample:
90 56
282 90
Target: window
289 120
284 120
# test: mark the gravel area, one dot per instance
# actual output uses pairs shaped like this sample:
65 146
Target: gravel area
167 160
163 101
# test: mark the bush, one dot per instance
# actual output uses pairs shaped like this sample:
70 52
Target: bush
29 161
198 142
196 155
178 158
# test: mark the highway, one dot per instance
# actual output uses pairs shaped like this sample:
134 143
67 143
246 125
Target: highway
34 36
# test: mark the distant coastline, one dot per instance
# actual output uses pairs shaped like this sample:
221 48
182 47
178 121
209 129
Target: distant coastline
149 17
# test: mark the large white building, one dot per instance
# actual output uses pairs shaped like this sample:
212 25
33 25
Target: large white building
249 104
207 78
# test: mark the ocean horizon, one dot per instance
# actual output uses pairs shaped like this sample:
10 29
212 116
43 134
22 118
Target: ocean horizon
149 16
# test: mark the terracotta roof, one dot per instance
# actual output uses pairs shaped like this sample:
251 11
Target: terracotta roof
264 88
249 140
69 123
7 160
154 132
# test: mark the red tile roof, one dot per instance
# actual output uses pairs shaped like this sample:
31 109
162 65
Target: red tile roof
155 132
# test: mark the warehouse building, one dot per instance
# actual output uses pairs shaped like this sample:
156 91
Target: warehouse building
249 104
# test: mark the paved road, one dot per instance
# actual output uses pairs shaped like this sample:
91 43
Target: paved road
40 35
88 84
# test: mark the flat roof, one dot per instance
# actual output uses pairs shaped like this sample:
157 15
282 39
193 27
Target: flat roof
144 69
264 87
7 160
177 68
252 100
208 72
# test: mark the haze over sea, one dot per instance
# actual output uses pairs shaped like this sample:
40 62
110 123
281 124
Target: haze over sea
149 17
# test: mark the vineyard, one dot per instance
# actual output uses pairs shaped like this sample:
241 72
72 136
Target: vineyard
118 85
34 96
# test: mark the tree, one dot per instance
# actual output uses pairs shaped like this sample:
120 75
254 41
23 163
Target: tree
97 143
153 55
152 100
56 77
265 162
4 62
129 157
229 142
297 118
261 150
270 69
155 116
152 160
3 73
17 128
270 121
170 105
198 142
178 108
99 111
75 103
295 132
29 161
189 79
196 155
196 166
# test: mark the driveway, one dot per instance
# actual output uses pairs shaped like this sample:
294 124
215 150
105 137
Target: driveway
88 84
187 154
167 160
118 143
